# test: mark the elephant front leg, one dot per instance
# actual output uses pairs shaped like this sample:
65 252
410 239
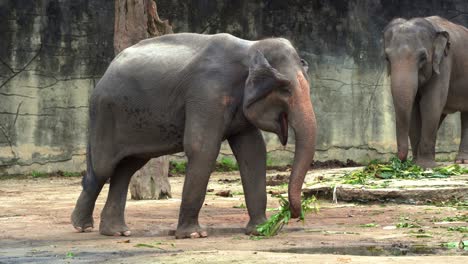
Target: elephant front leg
431 108
415 130
202 142
249 149
462 157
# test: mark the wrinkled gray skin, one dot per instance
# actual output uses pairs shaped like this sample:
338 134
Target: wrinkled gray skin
189 92
428 62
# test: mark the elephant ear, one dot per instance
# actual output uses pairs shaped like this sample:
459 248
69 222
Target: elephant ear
262 80
441 48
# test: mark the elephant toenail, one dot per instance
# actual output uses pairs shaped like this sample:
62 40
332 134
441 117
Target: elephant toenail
194 235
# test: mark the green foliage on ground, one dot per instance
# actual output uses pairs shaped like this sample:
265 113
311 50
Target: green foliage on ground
276 222
407 225
369 225
38 174
71 174
462 244
396 169
176 167
226 164
461 229
456 218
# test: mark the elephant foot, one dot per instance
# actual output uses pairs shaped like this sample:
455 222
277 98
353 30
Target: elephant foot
426 163
251 228
462 158
81 222
194 231
112 228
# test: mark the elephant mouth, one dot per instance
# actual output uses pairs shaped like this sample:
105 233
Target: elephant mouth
283 121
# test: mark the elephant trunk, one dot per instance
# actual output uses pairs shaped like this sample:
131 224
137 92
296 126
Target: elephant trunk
302 120
404 86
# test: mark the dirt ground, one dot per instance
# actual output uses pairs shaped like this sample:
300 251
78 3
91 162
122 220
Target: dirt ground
35 228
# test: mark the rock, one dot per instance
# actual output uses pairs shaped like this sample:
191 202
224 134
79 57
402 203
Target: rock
226 193
277 179
151 181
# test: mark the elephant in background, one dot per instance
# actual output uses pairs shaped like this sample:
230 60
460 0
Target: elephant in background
189 92
428 64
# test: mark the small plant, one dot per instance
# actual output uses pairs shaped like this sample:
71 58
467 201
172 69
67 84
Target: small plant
144 245
70 255
242 205
276 222
407 225
38 174
177 167
461 244
269 161
457 218
369 225
461 229
71 174
256 238
227 164
423 236
459 204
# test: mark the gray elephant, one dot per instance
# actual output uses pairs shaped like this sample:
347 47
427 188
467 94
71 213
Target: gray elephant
428 63
189 92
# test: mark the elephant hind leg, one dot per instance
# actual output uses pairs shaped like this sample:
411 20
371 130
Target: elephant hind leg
462 157
112 216
82 216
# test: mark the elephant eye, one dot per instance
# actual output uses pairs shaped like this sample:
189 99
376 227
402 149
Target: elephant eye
386 58
286 90
422 59
304 64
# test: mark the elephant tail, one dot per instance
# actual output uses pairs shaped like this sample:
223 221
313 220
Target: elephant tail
89 179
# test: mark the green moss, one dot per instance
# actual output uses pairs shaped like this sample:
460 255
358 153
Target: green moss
38 174
226 164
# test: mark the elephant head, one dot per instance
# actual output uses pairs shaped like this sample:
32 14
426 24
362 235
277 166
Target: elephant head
276 96
414 50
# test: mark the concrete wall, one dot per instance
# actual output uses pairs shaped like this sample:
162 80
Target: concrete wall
53 52
51 55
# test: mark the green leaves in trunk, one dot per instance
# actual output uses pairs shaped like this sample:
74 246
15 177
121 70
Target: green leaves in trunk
276 222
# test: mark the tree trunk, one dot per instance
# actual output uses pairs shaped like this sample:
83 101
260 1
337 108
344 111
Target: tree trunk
136 20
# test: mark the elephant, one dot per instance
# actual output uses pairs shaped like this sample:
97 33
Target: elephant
190 92
427 60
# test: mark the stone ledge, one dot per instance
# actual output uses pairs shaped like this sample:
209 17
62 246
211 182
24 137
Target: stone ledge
418 191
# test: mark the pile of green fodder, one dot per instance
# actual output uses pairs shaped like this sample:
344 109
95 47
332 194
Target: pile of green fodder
276 222
396 169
